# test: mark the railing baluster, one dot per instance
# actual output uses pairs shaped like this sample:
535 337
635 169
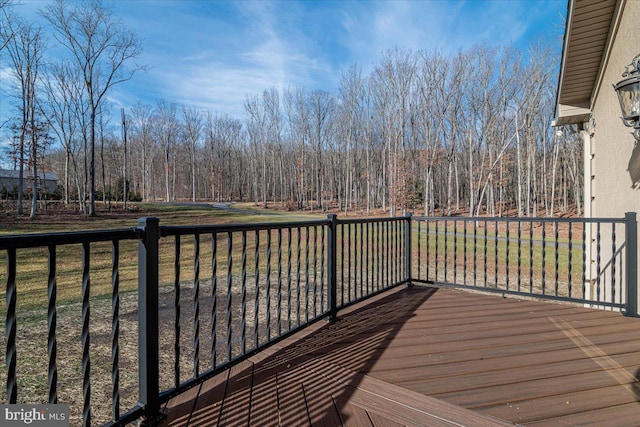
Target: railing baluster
613 262
391 253
384 258
388 254
11 328
355 261
507 224
315 271
332 265
256 312
243 327
570 258
381 252
298 252
322 251
51 335
544 257
342 241
419 251
279 327
519 255
349 255
446 251
289 281
485 244
557 266
361 258
464 254
306 276
622 279
455 251
584 259
367 257
475 253
399 251
598 259
436 251
86 312
176 306
531 256
196 305
402 251
394 252
496 252
115 329
407 240
230 295
379 265
268 286
428 248
214 299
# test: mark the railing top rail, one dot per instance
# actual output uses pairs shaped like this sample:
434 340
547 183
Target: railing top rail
370 220
519 219
175 230
33 240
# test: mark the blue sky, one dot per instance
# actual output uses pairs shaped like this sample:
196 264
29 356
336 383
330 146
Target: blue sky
212 54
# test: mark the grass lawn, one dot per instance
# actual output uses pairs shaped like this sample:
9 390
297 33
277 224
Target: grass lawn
32 263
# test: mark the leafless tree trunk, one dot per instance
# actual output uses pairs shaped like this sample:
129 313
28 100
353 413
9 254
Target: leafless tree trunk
101 46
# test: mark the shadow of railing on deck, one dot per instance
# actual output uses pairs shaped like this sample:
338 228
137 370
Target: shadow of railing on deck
319 372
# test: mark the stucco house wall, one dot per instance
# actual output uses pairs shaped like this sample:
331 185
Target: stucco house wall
615 163
611 153
614 170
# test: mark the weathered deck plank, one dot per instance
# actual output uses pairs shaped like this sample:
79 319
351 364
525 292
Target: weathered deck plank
418 354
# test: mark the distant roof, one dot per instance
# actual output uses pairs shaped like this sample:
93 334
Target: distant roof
588 34
27 174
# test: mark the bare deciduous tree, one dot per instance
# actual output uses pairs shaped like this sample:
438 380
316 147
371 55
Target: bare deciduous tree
101 47
25 44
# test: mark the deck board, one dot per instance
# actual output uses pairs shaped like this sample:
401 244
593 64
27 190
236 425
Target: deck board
528 411
263 411
235 407
420 355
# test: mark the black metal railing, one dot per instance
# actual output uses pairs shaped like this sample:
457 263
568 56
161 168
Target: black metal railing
581 260
74 281
200 299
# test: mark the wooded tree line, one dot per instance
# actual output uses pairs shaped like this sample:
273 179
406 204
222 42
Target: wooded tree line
423 131
64 97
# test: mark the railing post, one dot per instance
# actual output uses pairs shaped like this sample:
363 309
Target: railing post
148 330
332 266
407 249
631 263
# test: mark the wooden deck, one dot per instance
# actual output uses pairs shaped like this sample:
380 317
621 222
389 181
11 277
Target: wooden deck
423 356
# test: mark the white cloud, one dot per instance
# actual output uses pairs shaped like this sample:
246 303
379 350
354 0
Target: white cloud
212 54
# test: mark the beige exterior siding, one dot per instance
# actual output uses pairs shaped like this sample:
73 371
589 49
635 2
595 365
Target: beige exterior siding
616 151
601 39
613 171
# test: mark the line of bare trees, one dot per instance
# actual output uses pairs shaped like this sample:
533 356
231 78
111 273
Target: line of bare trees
423 131
65 96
